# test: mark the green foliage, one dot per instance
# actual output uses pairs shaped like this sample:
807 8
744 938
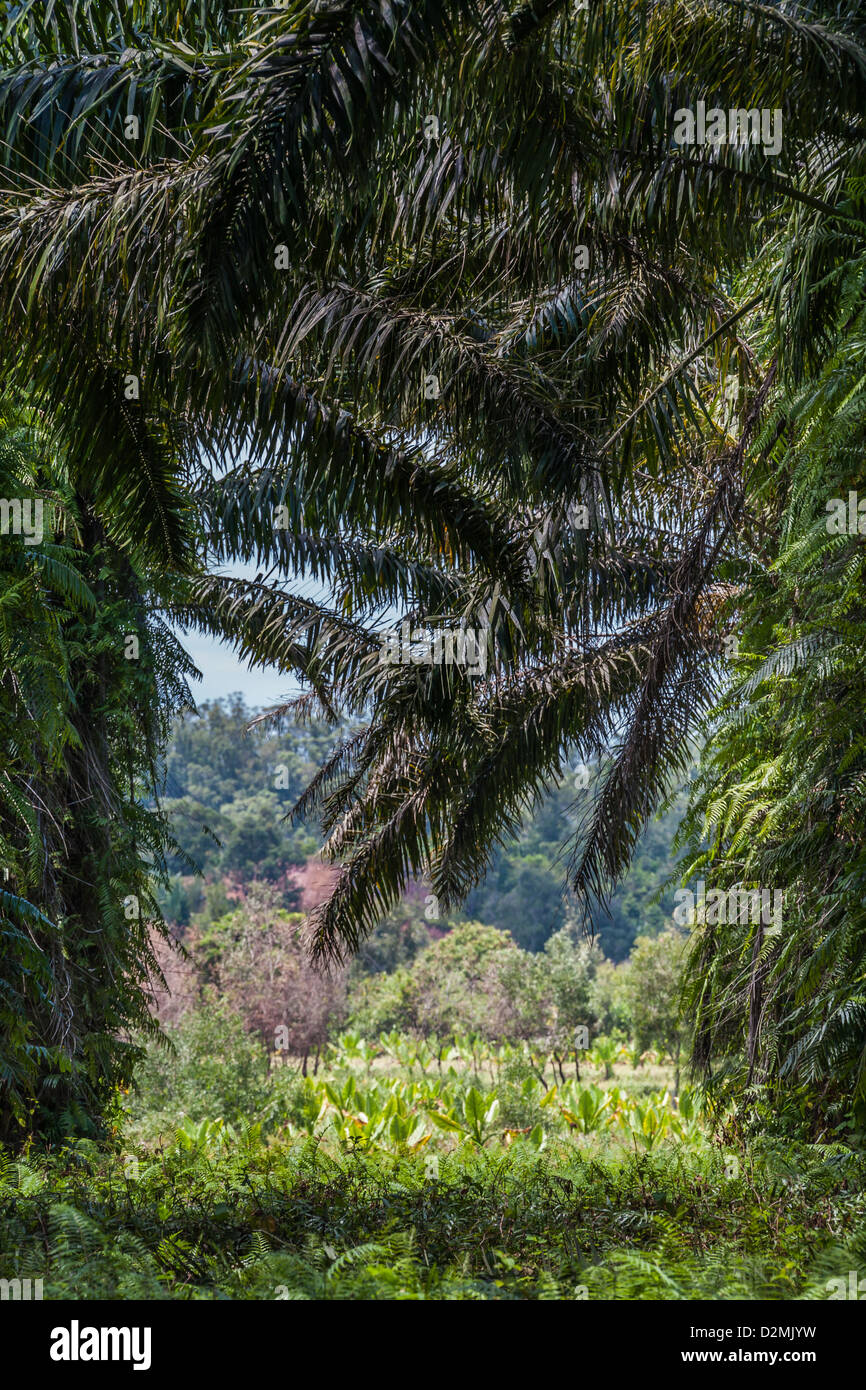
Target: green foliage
652 990
779 802
237 310
210 1066
228 788
227 817
417 1183
524 890
608 1001
83 721
285 255
475 979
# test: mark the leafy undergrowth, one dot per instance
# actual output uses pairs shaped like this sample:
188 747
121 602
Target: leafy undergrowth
449 1176
260 1220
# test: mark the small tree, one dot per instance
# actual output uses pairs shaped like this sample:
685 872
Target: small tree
264 975
456 979
609 999
652 989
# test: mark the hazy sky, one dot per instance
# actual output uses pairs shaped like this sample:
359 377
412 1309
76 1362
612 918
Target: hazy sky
223 674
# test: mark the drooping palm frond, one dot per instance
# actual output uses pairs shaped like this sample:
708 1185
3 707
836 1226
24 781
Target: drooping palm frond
343 262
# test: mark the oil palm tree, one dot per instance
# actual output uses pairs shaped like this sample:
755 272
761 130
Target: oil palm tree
437 280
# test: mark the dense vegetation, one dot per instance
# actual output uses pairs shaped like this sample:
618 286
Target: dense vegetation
228 788
414 1171
783 780
93 679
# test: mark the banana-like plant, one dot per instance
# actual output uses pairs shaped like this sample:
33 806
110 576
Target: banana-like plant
192 1136
477 1118
604 1053
587 1108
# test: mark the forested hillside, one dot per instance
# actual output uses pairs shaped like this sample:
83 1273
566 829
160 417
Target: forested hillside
229 788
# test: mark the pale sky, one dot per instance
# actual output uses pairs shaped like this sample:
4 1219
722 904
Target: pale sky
223 674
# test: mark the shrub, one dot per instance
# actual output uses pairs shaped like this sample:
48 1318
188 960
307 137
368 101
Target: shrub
213 1067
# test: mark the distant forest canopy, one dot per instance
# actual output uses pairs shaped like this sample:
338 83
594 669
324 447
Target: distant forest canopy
228 789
